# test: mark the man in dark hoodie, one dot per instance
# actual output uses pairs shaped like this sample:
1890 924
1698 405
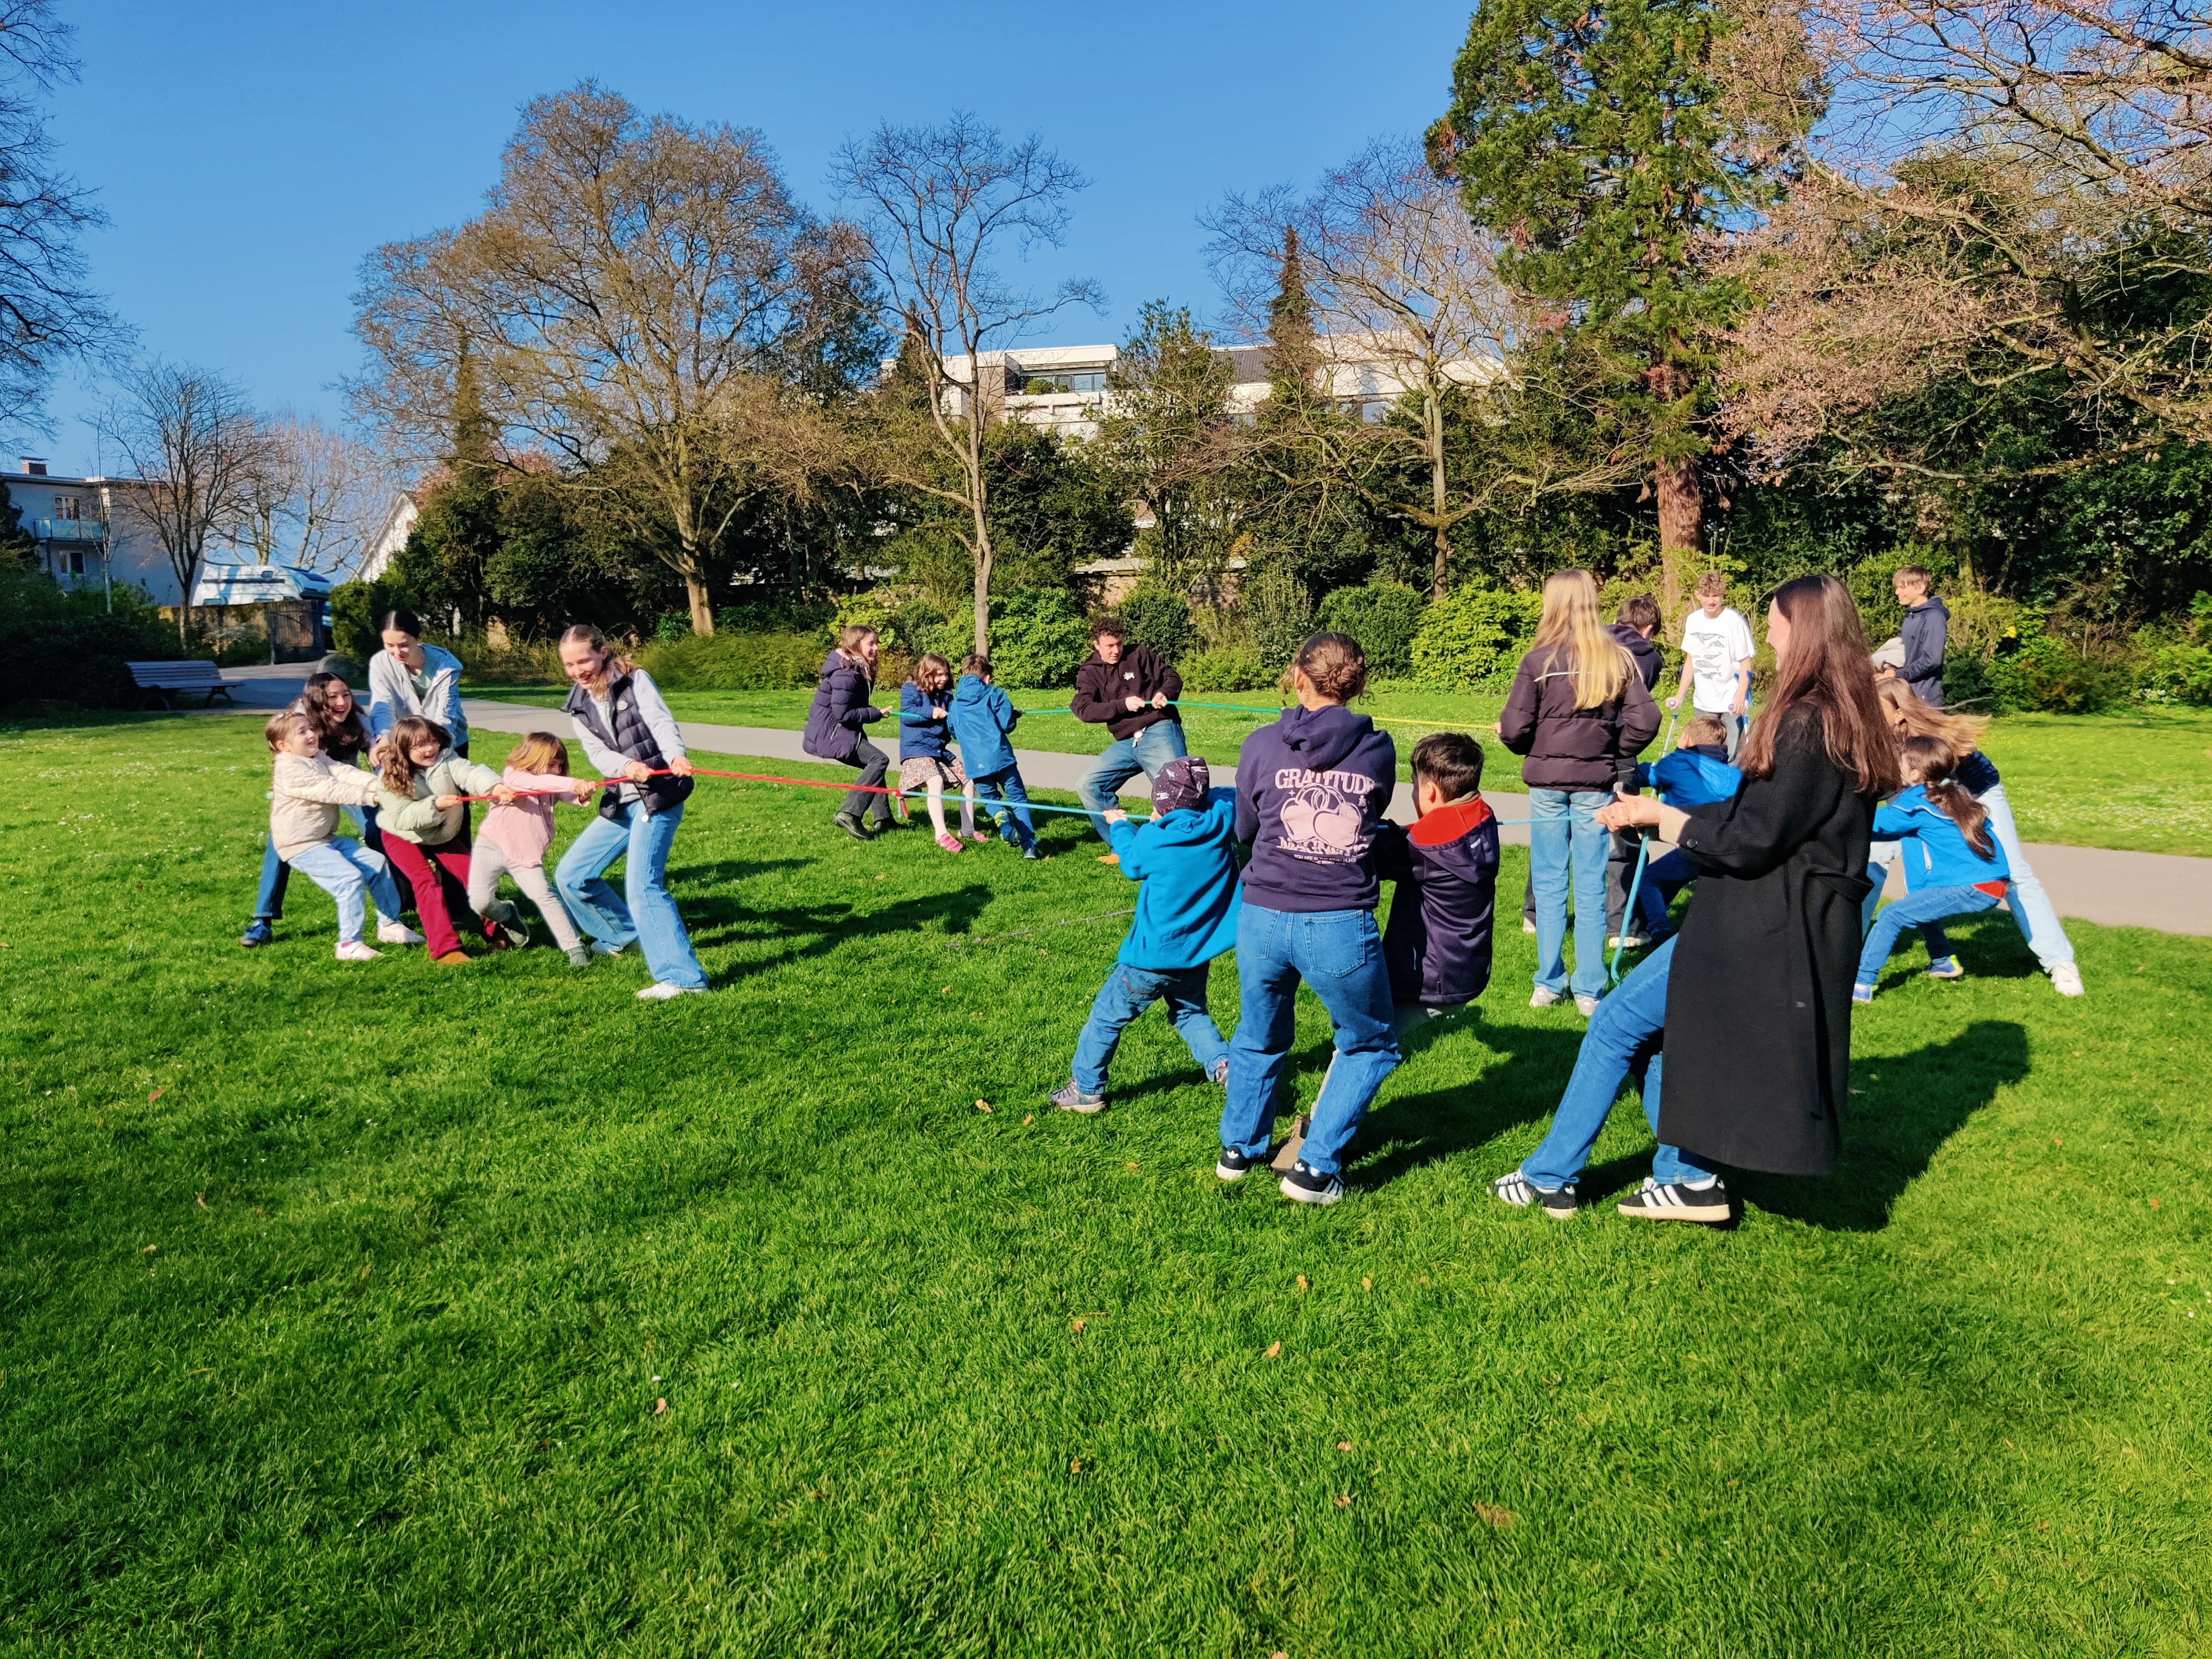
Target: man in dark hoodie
1927 626
1133 692
1311 790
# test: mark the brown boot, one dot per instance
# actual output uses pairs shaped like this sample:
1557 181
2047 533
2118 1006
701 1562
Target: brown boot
452 959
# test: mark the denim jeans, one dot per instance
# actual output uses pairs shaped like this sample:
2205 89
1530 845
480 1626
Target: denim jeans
1663 877
1126 995
269 903
1340 954
347 870
1561 830
2029 904
1626 1032
1005 787
1146 752
1926 910
641 839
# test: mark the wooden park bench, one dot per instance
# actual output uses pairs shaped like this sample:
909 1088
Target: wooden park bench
162 681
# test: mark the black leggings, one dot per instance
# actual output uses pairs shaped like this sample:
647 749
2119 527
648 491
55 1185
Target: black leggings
873 763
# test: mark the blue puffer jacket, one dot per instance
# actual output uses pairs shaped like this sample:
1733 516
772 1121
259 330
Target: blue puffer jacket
922 736
1686 779
1935 853
982 719
840 709
1186 862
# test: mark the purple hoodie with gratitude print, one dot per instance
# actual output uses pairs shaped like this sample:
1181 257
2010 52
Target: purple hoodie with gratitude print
1310 791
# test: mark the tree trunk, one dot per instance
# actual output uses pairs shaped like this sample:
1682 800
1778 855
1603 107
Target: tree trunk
1682 531
1439 492
983 601
702 615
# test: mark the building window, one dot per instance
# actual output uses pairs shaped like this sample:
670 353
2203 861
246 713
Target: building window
65 508
1044 383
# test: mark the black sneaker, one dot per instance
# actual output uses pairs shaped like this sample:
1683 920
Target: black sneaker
1678 1201
852 826
1309 1186
1559 1202
1232 1163
1070 1097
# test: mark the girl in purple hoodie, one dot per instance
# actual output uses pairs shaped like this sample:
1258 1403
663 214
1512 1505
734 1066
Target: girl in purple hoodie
1311 790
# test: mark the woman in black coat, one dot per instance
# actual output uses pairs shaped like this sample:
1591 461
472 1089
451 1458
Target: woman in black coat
834 728
1759 1001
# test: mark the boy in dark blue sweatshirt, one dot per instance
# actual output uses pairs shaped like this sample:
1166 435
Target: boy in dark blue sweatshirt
1438 943
1185 863
1311 790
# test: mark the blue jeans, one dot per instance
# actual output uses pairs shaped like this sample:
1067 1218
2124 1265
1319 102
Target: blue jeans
269 903
1626 1032
1340 954
1126 993
1663 877
1146 752
1561 825
1005 787
1926 910
2029 904
641 839
346 870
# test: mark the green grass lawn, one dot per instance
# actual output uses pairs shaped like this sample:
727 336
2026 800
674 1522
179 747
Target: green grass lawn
338 1303
2139 780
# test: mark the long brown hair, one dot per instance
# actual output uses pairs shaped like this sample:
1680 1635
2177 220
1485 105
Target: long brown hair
398 772
1964 733
930 662
1828 667
351 733
1936 763
1573 633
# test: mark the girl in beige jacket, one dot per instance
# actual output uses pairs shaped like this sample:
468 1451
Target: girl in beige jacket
304 797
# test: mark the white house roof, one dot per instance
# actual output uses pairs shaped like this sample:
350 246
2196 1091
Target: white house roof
258 584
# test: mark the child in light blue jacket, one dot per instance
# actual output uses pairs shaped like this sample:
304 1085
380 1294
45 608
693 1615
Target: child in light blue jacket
1954 867
983 719
1184 862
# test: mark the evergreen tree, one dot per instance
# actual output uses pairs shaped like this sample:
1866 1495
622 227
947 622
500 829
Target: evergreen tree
445 568
17 546
1599 144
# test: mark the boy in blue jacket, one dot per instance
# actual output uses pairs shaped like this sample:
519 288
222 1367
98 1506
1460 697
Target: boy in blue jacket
1696 773
1185 863
1954 867
982 719
1438 943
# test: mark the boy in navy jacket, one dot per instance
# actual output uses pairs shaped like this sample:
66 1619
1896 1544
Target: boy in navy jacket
1184 862
1438 943
982 719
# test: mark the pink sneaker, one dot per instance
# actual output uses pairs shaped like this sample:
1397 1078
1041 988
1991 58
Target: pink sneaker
948 843
979 838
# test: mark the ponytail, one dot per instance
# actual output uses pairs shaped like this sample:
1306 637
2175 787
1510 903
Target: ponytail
1936 763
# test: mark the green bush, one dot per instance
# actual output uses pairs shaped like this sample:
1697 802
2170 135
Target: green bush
672 625
2177 673
783 661
1279 612
69 648
1473 637
1038 638
1383 616
1160 618
2048 676
1224 668
519 662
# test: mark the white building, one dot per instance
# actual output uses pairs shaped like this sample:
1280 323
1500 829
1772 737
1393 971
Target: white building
390 536
85 533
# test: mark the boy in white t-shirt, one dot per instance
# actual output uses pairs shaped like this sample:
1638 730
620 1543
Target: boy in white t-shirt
1716 651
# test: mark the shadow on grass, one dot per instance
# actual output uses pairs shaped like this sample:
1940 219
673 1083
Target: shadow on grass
1890 1135
1523 1086
815 930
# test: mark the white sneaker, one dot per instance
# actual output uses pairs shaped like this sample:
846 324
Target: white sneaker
396 932
2066 980
352 949
601 948
1586 1007
664 991
1527 926
1543 998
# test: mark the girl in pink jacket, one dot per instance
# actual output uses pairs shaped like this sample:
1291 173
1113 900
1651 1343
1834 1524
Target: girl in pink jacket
513 838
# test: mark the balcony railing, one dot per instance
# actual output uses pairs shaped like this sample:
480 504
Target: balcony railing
69 530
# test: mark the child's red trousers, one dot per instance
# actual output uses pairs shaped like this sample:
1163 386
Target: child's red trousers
439 877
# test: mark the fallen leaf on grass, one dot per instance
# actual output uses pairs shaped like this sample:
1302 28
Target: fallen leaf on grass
149 1250
1028 1117
1128 1166
2056 1141
1366 1284
1344 1500
1075 1465
947 992
156 1095
1274 1349
2154 1203
1344 1445
983 1105
882 878
200 1199
1496 1516
1303 1284
1075 1325
660 1406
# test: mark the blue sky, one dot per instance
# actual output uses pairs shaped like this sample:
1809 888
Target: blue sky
249 154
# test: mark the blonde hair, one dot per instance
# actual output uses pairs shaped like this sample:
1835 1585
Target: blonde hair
614 667
286 721
930 662
540 752
1574 636
1963 733
1705 728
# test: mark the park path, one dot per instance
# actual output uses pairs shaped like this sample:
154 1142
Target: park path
2159 890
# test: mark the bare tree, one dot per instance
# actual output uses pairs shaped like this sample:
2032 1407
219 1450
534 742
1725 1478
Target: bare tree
638 292
46 310
312 494
944 206
189 445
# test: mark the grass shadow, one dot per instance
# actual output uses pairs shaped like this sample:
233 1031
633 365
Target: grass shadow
1419 1130
1890 1137
810 930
